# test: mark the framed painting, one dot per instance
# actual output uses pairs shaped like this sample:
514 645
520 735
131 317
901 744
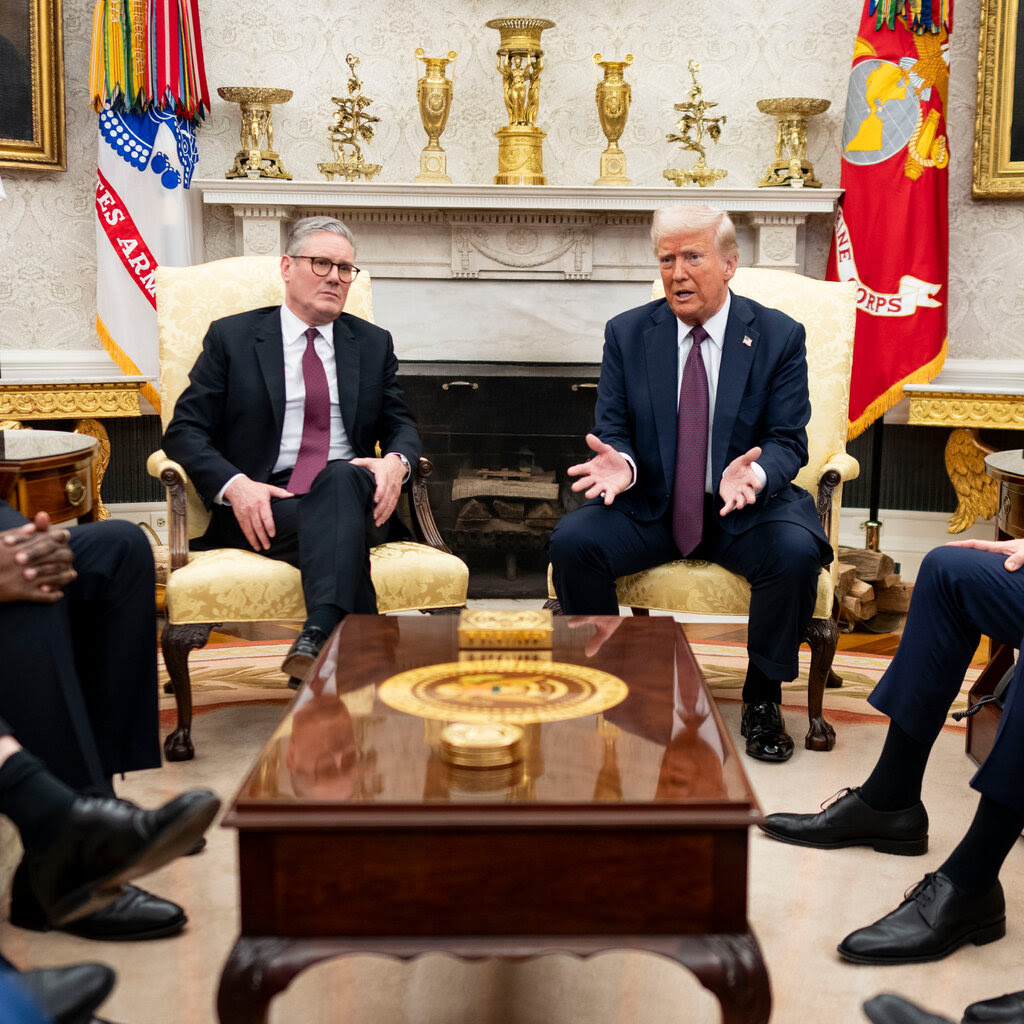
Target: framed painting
999 116
32 85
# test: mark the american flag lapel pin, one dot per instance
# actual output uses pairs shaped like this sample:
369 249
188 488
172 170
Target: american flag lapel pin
747 340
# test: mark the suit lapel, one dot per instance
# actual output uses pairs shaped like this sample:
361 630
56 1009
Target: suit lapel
737 359
346 364
269 349
661 347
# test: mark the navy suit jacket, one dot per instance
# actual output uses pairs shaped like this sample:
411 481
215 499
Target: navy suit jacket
230 417
761 400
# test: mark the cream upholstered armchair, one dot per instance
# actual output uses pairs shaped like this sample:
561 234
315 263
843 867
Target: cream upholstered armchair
206 588
828 312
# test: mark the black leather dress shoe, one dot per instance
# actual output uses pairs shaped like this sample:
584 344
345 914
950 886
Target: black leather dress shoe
935 919
105 843
848 821
68 995
765 729
307 647
1008 1009
890 1009
133 915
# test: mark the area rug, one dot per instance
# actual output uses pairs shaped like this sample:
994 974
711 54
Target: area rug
247 672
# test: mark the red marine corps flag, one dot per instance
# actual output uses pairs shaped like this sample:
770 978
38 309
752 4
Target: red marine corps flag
891 231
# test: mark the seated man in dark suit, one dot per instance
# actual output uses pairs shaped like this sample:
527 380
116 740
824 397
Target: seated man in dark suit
79 689
700 430
964 590
278 430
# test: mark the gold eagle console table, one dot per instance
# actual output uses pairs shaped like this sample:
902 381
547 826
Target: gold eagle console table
84 402
967 411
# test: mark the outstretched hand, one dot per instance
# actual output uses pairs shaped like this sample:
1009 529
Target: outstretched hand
35 562
606 475
740 483
1012 548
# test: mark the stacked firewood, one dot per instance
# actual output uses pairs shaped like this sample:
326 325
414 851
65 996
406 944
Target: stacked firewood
869 584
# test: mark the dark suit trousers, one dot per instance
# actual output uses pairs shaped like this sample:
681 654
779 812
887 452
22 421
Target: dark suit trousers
326 534
78 684
959 595
594 545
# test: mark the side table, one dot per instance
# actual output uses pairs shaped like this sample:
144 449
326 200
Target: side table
48 471
84 402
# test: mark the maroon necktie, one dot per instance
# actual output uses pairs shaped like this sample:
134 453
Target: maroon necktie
691 449
316 420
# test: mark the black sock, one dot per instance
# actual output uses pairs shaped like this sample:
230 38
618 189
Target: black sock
974 865
758 687
37 802
895 782
325 617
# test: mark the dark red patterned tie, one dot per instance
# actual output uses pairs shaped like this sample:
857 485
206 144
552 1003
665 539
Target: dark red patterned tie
691 449
316 420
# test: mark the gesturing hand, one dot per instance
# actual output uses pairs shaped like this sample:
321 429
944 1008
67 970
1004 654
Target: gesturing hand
606 474
740 483
250 501
35 562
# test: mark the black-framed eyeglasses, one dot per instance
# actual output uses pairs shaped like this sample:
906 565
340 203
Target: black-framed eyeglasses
322 267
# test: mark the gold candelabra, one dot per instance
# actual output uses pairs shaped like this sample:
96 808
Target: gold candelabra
692 129
351 123
520 63
434 92
613 94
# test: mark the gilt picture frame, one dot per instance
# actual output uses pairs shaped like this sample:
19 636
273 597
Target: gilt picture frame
999 115
32 126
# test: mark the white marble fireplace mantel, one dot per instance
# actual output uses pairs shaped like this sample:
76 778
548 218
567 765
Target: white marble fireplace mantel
442 257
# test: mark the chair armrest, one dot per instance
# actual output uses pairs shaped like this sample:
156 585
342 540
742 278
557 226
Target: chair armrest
840 466
174 479
423 524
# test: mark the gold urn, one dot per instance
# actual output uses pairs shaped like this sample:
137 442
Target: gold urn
520 63
613 94
434 92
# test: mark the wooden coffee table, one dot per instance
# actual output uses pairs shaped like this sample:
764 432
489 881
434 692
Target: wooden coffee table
625 829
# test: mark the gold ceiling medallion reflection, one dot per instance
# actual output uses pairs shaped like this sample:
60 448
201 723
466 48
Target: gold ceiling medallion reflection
434 93
791 166
503 690
520 62
252 160
692 129
613 94
351 123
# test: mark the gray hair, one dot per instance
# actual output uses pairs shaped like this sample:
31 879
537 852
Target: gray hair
302 229
684 219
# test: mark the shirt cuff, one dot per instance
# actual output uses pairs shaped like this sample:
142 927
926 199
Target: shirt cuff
632 468
218 498
760 473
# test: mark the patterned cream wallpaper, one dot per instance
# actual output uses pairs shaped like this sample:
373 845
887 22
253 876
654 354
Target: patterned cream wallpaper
47 245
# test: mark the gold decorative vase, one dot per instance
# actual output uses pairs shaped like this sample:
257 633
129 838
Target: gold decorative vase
253 160
791 166
520 62
434 92
613 94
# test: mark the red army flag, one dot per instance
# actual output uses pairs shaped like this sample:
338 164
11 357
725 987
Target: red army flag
892 228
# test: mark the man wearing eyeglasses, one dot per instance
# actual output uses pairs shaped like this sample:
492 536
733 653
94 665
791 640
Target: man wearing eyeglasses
278 430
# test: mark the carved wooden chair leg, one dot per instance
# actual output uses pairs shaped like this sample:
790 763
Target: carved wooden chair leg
823 639
176 642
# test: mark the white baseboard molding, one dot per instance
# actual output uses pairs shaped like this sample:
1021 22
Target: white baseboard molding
908 536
